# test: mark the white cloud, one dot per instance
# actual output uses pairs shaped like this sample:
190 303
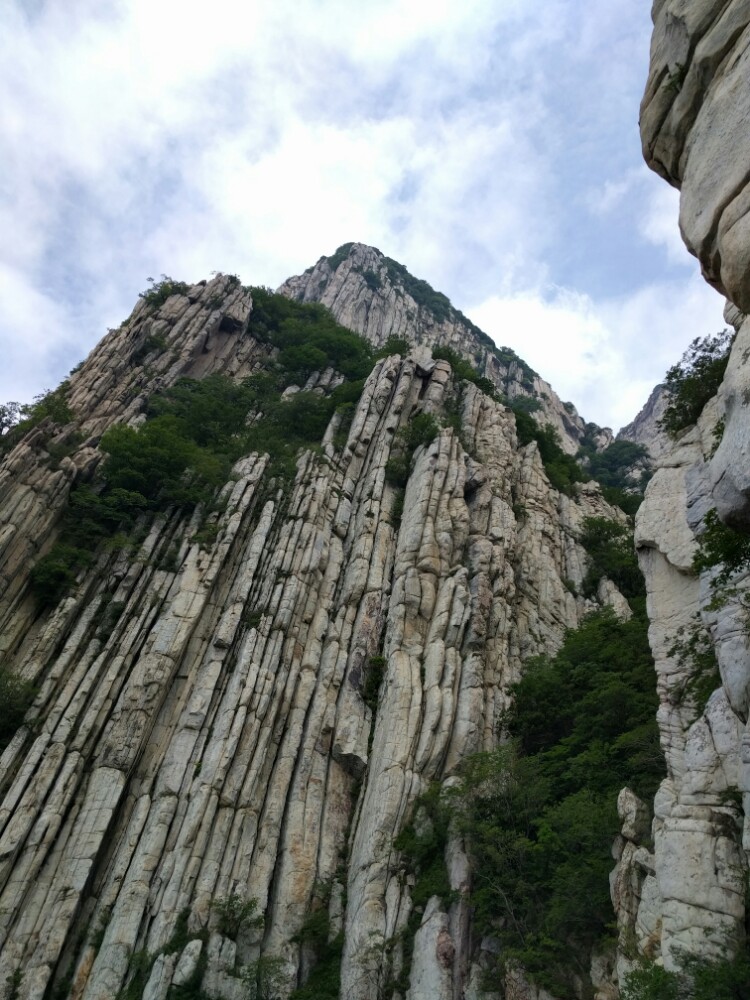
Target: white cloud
139 137
654 205
612 195
605 356
35 356
659 224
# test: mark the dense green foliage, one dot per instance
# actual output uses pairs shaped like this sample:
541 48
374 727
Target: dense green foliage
234 913
694 380
421 430
16 696
17 419
612 554
308 337
196 430
627 500
54 574
338 258
324 981
726 978
539 814
372 279
394 345
422 843
159 291
720 545
562 469
463 370
526 404
612 467
264 978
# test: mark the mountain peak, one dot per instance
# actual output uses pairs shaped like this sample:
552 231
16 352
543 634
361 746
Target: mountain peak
379 298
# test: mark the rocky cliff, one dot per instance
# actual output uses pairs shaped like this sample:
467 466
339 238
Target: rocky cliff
687 897
376 296
646 429
206 743
237 701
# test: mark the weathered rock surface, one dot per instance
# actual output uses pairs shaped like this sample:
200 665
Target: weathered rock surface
693 119
645 429
377 297
212 745
686 895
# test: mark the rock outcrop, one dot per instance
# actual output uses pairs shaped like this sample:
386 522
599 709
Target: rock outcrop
645 429
200 737
686 894
376 296
693 118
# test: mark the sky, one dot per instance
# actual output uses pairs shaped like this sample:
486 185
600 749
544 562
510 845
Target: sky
491 146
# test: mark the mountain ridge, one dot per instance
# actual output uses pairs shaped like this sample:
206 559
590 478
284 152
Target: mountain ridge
202 681
375 296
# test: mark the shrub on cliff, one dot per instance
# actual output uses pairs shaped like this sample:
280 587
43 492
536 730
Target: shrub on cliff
463 370
420 431
54 574
16 696
720 545
694 380
308 337
17 419
159 291
539 813
725 978
609 545
562 469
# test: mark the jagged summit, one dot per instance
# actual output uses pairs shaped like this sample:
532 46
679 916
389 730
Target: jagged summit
424 307
379 298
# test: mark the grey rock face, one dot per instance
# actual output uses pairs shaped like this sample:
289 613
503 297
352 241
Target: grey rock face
377 297
688 897
693 119
645 429
214 746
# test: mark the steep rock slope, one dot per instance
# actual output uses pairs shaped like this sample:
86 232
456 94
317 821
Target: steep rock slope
645 429
688 897
211 742
376 296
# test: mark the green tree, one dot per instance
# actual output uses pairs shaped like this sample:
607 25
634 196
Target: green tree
16 696
720 545
10 414
562 469
539 813
694 380
610 547
55 573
